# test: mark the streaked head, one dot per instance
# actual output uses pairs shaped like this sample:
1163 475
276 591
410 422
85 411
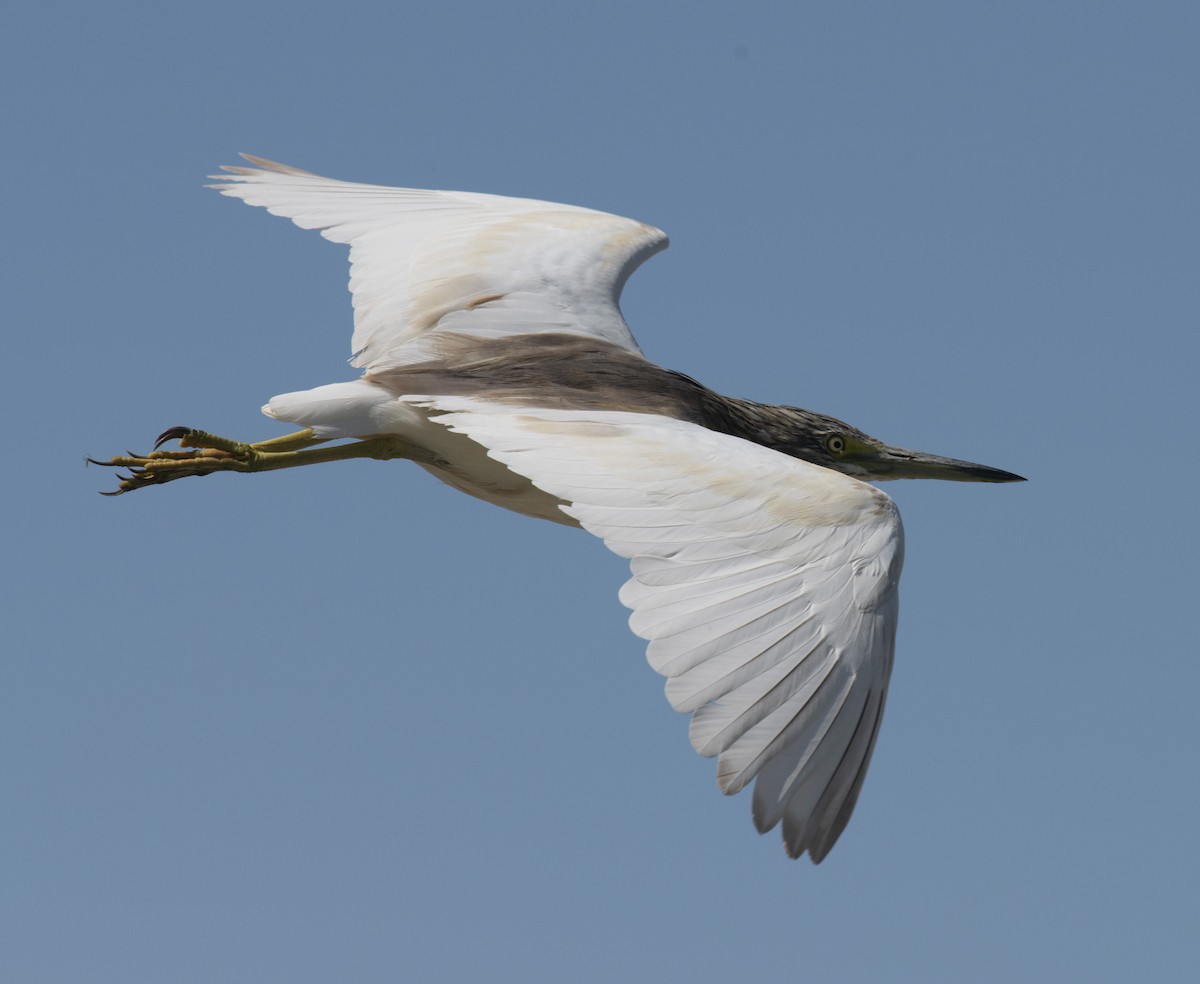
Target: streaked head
832 443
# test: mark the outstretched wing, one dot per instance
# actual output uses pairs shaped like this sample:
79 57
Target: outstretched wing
766 586
430 261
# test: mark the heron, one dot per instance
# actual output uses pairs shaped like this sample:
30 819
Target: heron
764 564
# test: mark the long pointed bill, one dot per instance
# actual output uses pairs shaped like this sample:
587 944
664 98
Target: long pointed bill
902 463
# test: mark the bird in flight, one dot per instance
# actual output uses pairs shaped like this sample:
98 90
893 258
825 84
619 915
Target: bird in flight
765 567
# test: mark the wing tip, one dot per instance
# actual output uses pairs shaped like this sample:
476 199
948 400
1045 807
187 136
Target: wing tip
266 164
263 167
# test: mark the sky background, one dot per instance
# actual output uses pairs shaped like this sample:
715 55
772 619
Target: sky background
346 724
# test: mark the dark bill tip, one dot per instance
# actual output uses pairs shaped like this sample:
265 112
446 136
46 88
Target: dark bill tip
902 463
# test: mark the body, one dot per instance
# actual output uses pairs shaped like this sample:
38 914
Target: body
549 371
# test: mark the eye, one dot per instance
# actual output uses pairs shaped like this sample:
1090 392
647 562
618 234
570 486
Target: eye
836 444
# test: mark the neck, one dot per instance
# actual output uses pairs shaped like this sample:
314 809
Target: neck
772 426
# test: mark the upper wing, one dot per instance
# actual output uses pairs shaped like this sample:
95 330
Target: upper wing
421 261
766 587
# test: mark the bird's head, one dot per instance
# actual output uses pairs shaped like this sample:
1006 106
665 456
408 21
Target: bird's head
834 444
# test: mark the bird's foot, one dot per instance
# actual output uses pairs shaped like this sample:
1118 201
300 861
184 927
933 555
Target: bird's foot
209 453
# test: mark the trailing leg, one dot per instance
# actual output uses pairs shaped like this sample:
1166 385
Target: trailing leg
209 454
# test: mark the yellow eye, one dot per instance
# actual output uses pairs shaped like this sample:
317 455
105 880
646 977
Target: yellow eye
836 444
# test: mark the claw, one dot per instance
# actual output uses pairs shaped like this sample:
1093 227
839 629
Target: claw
171 433
208 454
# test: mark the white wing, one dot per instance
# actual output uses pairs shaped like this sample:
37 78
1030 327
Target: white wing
423 261
767 587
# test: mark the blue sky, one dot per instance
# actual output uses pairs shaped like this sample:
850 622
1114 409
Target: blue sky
347 724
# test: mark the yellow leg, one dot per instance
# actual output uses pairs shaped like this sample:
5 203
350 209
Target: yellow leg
289 442
213 454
